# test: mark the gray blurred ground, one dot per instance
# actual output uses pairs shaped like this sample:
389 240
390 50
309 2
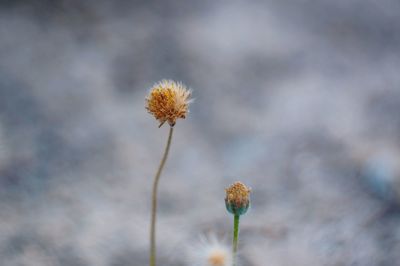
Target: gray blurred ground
295 98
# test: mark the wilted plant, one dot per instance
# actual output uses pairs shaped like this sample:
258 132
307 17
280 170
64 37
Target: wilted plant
168 101
237 202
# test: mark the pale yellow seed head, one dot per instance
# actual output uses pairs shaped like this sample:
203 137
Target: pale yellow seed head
209 251
218 257
168 100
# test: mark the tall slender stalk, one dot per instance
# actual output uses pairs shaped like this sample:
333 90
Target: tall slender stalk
237 202
235 237
152 260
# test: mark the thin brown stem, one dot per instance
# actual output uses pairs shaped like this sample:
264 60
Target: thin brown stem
152 260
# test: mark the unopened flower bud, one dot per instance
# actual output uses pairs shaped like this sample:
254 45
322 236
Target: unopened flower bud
237 198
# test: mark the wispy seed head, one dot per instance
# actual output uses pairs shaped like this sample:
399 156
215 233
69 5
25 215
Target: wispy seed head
168 100
209 251
218 257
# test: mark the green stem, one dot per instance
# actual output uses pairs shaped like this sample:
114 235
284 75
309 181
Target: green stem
152 260
235 236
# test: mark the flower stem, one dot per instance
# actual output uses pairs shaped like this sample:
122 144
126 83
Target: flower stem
235 236
152 260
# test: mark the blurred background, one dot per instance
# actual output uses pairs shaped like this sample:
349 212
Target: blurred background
300 100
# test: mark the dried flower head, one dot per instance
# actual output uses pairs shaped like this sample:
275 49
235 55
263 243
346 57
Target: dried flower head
237 198
168 100
209 252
